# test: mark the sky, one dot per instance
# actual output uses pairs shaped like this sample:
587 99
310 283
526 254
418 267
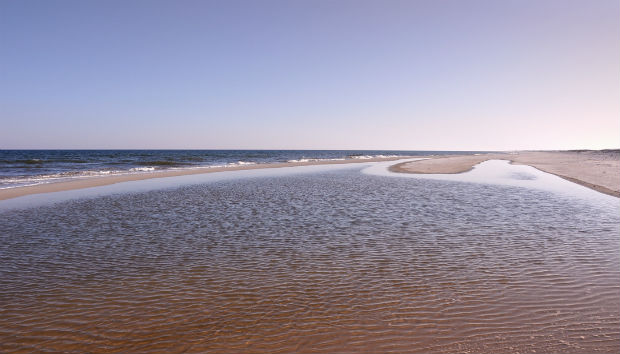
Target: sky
339 74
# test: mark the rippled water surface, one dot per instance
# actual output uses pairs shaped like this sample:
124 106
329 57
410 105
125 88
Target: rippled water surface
324 262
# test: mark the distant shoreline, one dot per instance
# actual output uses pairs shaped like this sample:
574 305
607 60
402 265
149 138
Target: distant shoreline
98 181
596 169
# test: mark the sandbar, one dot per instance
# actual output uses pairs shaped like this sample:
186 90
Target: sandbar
595 169
88 182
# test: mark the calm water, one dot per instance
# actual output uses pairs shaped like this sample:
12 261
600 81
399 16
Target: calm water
30 167
323 262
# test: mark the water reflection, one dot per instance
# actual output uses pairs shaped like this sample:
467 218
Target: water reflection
502 172
323 262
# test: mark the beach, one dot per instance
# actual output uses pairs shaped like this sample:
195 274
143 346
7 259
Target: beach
264 177
89 182
598 170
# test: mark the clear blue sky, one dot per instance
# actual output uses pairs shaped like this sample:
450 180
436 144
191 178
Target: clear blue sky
438 75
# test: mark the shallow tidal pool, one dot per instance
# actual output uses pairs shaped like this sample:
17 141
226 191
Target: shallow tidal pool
330 260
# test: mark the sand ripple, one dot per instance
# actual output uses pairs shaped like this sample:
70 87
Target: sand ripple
338 262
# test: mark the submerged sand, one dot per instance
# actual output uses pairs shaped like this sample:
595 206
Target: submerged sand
306 263
89 182
598 170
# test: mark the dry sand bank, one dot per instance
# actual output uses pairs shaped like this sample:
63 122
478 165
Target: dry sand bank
106 180
598 170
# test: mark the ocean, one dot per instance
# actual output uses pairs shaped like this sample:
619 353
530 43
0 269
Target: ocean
31 167
332 258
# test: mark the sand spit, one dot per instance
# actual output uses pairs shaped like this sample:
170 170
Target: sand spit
595 169
106 180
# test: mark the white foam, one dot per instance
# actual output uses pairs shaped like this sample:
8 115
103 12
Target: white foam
9 183
142 169
368 157
317 159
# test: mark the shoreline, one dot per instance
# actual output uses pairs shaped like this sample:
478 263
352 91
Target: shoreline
597 170
583 168
99 181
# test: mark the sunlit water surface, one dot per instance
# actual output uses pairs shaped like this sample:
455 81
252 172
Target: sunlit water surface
323 261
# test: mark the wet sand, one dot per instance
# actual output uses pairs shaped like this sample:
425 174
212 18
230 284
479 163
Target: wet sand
598 170
107 180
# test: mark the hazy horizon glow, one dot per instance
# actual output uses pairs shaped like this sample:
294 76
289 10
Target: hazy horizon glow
402 75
